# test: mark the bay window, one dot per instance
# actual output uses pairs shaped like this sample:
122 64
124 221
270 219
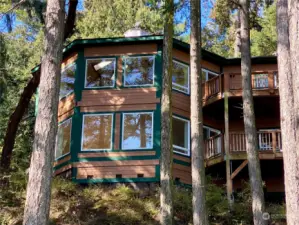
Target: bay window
63 138
137 130
100 73
181 135
139 71
67 80
97 132
180 77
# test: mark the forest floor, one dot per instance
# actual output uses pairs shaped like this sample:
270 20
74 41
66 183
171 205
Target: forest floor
74 204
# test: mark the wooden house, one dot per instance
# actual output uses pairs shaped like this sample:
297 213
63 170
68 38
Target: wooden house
110 111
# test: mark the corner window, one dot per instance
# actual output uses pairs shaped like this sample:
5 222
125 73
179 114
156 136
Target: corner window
139 71
180 77
100 73
181 135
207 75
137 131
63 138
67 80
97 132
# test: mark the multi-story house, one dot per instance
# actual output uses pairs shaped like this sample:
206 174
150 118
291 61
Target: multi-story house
110 113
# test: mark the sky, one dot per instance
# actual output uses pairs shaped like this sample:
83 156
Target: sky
206 7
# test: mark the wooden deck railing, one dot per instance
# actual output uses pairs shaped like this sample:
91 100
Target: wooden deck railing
233 82
267 141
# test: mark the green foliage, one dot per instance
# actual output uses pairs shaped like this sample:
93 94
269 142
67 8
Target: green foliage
264 42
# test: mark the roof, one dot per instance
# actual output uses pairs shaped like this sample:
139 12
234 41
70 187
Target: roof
206 55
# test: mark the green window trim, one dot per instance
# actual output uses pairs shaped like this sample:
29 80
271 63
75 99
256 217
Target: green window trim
124 59
111 137
114 75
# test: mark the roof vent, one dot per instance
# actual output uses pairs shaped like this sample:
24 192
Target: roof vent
136 31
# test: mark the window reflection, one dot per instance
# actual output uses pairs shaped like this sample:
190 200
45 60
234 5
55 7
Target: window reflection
180 77
181 135
97 132
67 80
63 138
137 130
139 71
100 73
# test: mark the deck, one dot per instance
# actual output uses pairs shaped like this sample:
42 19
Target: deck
264 83
269 146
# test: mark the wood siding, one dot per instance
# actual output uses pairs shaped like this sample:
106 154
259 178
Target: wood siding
118 100
181 104
184 57
70 59
121 50
112 169
183 173
66 107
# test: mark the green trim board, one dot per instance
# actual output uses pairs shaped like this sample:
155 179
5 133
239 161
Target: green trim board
116 158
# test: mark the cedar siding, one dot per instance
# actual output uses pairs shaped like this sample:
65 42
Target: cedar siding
142 165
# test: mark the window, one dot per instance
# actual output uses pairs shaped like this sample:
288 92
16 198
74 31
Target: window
100 73
180 77
63 138
260 81
181 135
67 80
207 75
139 71
137 131
97 132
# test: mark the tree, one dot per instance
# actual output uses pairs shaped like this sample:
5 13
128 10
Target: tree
28 92
166 211
197 144
258 203
287 50
38 195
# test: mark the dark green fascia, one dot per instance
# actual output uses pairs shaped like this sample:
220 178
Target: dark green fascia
117 158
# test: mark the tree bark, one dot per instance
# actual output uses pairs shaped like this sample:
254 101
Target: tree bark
258 203
288 59
28 92
197 144
37 204
166 210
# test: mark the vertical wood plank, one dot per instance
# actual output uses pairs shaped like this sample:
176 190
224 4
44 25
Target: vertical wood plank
119 72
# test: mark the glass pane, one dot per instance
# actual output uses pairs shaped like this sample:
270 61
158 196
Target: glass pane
63 138
211 75
139 70
137 131
100 73
203 76
97 132
67 80
180 133
260 81
180 76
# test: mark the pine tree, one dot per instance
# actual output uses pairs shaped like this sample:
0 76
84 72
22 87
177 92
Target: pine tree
197 144
38 195
256 185
287 50
166 211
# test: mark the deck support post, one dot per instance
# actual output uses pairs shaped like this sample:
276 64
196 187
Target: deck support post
229 182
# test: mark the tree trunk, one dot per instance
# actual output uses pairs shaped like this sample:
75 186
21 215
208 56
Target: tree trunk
37 204
258 203
166 210
197 144
287 42
29 90
237 44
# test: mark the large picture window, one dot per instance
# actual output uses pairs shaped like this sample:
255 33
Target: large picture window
100 73
139 71
67 80
180 77
181 135
97 132
137 131
63 138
